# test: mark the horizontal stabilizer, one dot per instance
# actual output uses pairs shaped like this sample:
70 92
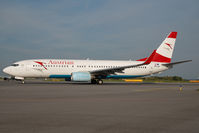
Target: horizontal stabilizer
175 63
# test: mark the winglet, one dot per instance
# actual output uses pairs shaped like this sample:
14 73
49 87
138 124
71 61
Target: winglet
148 60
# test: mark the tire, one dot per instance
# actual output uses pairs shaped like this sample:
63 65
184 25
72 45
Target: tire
100 82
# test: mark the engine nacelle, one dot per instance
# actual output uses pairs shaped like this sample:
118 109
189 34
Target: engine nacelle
19 78
81 76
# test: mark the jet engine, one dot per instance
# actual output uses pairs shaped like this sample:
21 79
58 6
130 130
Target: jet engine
81 76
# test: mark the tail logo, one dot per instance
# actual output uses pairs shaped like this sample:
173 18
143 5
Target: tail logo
169 45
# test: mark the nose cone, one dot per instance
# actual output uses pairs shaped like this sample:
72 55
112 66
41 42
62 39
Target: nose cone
6 70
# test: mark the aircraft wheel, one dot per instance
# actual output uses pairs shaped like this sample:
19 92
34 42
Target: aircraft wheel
6 79
100 82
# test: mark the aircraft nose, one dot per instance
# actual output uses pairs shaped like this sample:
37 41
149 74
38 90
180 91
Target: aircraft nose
6 70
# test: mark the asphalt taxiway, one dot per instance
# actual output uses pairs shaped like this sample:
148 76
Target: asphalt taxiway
49 107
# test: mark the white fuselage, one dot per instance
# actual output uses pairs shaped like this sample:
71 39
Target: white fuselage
60 68
91 70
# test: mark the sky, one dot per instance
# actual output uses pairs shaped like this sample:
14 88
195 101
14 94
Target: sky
99 29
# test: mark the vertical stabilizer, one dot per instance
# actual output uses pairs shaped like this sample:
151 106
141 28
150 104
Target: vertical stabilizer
165 50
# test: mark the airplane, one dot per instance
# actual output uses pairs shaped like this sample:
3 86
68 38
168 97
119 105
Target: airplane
94 71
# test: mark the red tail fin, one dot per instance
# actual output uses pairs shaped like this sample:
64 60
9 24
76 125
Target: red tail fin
159 58
148 60
165 50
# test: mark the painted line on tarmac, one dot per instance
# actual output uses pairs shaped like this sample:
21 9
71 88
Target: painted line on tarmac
150 90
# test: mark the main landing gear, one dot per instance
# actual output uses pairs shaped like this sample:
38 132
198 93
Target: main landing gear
97 81
22 81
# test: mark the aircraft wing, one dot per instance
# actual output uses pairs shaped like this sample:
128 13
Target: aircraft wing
113 70
120 69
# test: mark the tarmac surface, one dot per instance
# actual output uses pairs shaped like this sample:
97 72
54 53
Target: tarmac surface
59 107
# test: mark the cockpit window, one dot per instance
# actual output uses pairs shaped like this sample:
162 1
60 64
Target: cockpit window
15 65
